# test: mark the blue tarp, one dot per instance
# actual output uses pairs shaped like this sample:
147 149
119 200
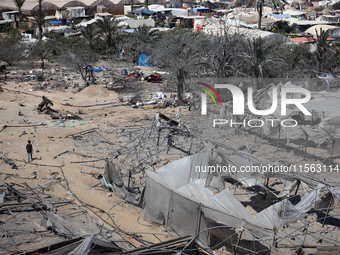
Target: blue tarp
99 69
129 30
58 22
279 16
175 5
144 60
145 12
202 9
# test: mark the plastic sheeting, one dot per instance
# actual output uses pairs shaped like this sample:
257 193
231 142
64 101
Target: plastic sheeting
139 23
200 9
144 60
86 246
145 12
180 12
59 225
176 195
113 180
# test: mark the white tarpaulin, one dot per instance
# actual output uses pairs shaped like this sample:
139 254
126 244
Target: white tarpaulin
176 195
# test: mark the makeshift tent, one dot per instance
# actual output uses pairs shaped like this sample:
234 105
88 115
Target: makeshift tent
12 15
335 31
144 60
158 8
278 16
77 12
123 18
61 29
177 196
180 12
200 9
58 22
139 23
145 12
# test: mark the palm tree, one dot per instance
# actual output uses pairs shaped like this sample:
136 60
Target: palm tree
145 34
223 51
181 53
322 47
258 58
143 40
19 4
90 33
275 4
39 16
108 29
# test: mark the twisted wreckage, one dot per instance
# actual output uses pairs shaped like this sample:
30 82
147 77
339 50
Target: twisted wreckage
190 201
248 211
204 198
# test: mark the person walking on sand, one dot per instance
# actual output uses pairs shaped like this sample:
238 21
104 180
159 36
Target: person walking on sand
29 149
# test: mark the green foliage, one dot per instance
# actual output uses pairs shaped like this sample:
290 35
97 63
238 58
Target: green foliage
181 54
336 6
298 58
39 16
19 4
143 40
180 30
282 27
262 61
9 30
90 34
326 56
238 3
108 30
75 53
319 8
12 49
24 26
75 22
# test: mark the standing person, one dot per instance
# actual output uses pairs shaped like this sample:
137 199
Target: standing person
42 63
29 149
90 71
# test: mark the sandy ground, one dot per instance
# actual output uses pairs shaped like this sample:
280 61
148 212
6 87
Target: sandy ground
48 139
51 138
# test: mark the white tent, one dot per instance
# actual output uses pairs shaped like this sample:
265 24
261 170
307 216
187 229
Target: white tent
177 196
335 31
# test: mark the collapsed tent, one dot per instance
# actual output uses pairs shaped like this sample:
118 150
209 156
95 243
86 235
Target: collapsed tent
112 179
178 195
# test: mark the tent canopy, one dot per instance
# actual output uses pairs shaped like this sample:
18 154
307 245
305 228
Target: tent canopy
145 12
144 60
317 29
139 23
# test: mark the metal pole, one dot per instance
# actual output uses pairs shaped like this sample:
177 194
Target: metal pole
238 242
327 212
296 191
